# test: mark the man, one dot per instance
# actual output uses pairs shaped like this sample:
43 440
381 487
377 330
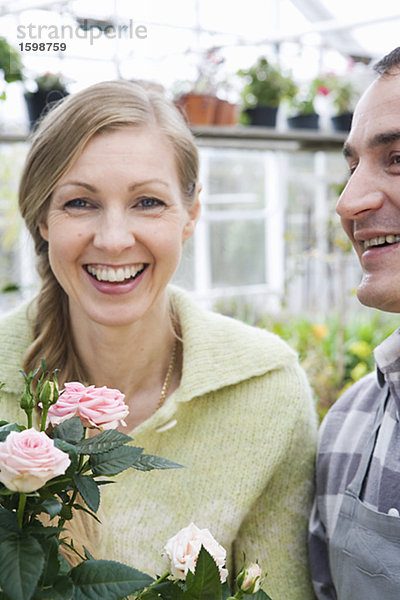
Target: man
355 525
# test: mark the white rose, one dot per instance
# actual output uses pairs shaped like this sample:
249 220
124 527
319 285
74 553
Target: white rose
183 549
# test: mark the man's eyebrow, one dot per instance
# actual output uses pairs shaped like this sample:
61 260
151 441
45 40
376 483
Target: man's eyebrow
380 139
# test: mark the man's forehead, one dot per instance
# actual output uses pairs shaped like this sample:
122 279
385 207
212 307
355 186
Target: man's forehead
376 120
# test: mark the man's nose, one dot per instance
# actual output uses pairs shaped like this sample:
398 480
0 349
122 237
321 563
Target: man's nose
363 193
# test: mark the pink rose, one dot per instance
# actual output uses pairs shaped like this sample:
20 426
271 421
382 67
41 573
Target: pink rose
183 550
97 407
28 459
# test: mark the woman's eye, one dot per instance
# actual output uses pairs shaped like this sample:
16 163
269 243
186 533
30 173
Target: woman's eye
150 203
77 203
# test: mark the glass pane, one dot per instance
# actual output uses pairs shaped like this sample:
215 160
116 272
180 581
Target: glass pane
237 253
184 276
236 180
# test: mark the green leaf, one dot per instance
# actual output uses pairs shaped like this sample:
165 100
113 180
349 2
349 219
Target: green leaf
71 451
226 592
8 523
103 442
36 528
114 461
206 582
148 462
51 506
71 431
51 563
106 579
21 564
5 430
62 589
260 595
88 489
167 589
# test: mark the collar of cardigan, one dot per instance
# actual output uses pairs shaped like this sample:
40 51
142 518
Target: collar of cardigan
219 351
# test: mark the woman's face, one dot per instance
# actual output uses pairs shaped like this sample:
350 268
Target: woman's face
116 224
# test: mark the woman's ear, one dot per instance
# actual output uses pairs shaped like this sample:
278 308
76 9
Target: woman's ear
193 213
44 231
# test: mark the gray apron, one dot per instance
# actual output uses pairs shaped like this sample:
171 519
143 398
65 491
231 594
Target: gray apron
364 550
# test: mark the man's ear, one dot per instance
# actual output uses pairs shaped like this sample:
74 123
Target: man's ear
44 231
193 213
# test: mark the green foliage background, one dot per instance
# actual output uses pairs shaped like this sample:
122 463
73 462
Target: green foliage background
333 352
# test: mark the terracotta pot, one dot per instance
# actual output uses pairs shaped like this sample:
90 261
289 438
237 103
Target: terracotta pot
304 121
226 113
198 109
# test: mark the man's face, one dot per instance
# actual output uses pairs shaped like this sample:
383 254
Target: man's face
369 206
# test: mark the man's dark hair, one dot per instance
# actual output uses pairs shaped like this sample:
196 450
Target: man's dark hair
388 62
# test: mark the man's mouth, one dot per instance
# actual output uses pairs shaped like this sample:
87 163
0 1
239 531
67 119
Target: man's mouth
381 240
116 274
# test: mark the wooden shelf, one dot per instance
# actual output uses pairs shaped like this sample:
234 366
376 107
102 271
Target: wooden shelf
238 136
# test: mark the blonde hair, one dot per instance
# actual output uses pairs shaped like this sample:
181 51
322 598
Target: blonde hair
56 144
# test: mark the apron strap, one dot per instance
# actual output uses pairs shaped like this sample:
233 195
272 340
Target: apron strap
355 487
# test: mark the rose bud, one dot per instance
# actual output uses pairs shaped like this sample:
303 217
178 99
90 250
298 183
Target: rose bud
249 578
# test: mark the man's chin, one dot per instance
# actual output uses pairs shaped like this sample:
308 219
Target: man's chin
379 298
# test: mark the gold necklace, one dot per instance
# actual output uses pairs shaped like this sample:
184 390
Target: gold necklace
167 379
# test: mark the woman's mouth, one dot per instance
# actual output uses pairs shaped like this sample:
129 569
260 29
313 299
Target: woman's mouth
121 274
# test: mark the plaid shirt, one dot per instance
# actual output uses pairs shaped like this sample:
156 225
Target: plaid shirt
343 435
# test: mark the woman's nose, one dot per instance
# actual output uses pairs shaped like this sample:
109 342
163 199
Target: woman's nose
114 232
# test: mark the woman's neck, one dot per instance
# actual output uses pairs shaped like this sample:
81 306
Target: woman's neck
133 358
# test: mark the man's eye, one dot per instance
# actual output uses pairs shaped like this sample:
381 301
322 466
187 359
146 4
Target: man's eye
352 169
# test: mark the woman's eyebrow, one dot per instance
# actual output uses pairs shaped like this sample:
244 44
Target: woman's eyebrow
132 187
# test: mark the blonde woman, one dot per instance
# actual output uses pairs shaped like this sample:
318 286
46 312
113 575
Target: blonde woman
110 193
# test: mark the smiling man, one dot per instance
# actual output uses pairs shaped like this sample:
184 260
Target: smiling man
355 525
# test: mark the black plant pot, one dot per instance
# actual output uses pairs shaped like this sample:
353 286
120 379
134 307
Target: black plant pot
342 122
38 103
263 115
304 121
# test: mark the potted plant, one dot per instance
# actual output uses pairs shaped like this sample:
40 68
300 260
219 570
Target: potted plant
198 100
10 64
50 88
266 86
302 105
344 95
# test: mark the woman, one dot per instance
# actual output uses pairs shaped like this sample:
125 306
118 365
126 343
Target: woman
110 194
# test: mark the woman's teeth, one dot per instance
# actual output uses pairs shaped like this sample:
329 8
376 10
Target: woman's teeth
114 274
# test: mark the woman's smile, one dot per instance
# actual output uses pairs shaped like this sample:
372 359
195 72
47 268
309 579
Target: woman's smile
116 281
115 274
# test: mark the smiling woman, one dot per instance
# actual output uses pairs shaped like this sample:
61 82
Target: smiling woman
110 194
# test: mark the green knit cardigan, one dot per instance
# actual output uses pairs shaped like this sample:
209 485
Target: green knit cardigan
243 424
